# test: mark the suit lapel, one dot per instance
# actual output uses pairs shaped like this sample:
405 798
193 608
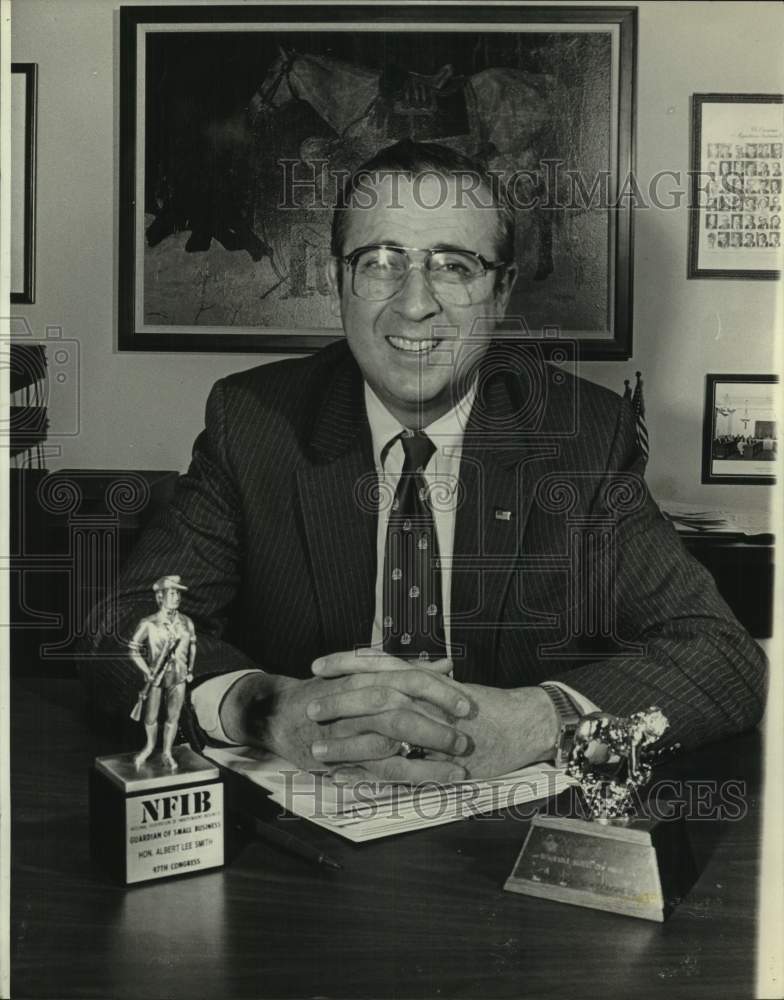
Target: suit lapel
336 490
498 472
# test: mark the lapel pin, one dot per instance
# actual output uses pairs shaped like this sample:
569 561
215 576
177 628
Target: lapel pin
503 515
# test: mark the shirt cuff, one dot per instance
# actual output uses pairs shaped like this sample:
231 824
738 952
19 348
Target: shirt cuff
585 705
207 699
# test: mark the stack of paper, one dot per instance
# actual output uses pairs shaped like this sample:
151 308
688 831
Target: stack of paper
369 810
694 517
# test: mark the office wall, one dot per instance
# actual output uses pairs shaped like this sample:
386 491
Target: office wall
143 410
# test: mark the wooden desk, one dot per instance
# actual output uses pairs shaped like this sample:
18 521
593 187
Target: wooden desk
412 916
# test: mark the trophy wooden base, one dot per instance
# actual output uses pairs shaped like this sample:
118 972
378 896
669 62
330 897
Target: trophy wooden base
642 868
154 823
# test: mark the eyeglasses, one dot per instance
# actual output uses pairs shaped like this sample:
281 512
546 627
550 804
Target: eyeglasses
379 271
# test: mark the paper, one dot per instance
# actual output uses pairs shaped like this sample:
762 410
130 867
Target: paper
370 810
693 517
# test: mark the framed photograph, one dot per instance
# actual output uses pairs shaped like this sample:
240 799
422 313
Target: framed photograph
238 124
737 164
24 99
740 431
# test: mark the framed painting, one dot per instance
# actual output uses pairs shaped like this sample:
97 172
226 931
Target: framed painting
238 124
740 429
24 100
737 170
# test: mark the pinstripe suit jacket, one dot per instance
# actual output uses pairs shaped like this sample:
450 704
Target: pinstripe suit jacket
274 530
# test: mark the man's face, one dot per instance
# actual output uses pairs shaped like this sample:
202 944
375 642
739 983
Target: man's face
171 599
407 346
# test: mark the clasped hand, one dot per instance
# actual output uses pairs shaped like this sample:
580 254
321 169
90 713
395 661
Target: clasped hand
353 715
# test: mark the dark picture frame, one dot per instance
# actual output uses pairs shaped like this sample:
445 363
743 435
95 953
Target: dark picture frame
730 454
227 271
736 186
24 96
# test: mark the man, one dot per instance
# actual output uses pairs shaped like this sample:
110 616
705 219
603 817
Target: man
169 640
305 507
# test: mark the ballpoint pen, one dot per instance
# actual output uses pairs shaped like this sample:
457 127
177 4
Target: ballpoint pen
286 841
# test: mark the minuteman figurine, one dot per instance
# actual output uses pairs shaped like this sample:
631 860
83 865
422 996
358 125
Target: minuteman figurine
163 647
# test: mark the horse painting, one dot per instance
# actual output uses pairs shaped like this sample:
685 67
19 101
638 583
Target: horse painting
500 117
243 165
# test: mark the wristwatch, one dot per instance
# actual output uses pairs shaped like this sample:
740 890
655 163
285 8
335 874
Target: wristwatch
568 717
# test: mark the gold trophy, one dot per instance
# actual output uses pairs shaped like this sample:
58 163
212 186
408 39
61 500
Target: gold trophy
158 815
616 860
168 639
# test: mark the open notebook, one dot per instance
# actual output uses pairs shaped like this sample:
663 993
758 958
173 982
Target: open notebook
368 811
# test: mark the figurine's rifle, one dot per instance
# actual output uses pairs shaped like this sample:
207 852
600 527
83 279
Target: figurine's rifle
154 679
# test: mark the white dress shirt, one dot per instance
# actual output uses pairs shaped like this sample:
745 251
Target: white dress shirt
442 475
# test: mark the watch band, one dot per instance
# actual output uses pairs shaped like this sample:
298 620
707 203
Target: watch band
568 717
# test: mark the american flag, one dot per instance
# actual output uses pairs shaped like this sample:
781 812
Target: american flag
638 405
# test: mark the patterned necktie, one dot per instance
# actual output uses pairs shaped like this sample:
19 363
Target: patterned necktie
413 613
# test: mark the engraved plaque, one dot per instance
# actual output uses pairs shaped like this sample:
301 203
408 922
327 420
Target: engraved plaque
641 867
151 823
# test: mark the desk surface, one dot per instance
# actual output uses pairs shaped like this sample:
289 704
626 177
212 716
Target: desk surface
411 916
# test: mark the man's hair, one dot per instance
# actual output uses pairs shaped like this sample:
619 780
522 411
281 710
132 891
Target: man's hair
417 159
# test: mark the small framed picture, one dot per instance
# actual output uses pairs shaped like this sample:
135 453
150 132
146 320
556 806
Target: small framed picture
737 162
24 82
740 431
